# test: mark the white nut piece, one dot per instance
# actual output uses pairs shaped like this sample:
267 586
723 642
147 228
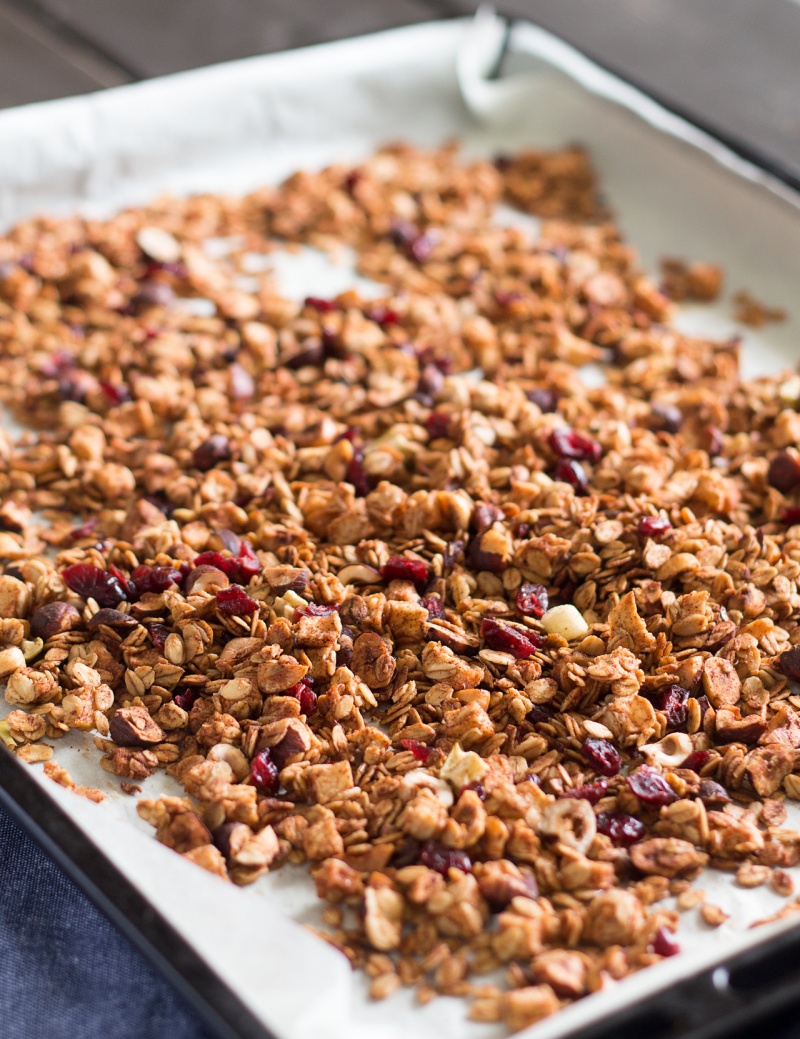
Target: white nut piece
232 756
463 767
236 689
672 750
565 621
158 244
359 573
11 658
417 778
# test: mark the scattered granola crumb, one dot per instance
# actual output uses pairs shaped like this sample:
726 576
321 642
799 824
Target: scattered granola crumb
129 788
749 311
698 282
781 883
712 915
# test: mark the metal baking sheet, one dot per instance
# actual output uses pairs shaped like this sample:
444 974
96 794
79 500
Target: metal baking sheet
242 954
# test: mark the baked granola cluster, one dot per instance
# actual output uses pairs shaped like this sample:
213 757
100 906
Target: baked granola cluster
386 588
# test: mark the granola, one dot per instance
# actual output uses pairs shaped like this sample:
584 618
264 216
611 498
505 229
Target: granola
386 588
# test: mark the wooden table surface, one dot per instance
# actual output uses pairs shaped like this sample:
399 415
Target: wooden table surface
733 64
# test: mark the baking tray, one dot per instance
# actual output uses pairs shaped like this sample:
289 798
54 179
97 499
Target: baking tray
240 955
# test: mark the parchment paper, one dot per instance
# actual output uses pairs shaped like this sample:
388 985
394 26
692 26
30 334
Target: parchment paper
235 126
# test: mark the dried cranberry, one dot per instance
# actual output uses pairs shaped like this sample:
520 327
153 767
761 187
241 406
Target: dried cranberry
114 393
503 163
532 600
506 299
158 634
306 695
186 699
206 455
90 581
434 605
241 568
356 473
155 578
315 609
651 788
789 663
696 760
602 755
437 424
569 443
84 531
545 400
264 773
790 516
623 829
324 306
440 858
381 315
421 248
235 601
666 417
479 788
573 473
714 441
591 792
672 701
431 381
653 527
540 713
664 943
507 639
419 750
152 294
401 568
452 552
704 704
784 472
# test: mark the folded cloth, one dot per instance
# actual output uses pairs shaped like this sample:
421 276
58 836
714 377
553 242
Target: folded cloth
65 971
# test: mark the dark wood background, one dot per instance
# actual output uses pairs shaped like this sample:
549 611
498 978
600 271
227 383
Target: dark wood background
734 64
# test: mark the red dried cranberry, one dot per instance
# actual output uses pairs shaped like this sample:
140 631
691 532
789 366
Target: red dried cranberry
440 858
315 609
235 601
790 516
784 472
306 695
591 792
532 600
704 704
381 315
508 639
789 663
90 581
434 605
696 760
573 473
479 788
401 568
623 829
651 788
419 750
452 552
240 568
672 701
114 393
84 531
714 441
264 773
437 424
249 565
664 943
545 400
406 853
356 474
602 755
431 381
540 713
186 699
666 417
324 306
212 451
155 578
569 443
158 634
653 527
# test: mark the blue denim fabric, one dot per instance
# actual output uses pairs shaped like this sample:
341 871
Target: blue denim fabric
65 971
